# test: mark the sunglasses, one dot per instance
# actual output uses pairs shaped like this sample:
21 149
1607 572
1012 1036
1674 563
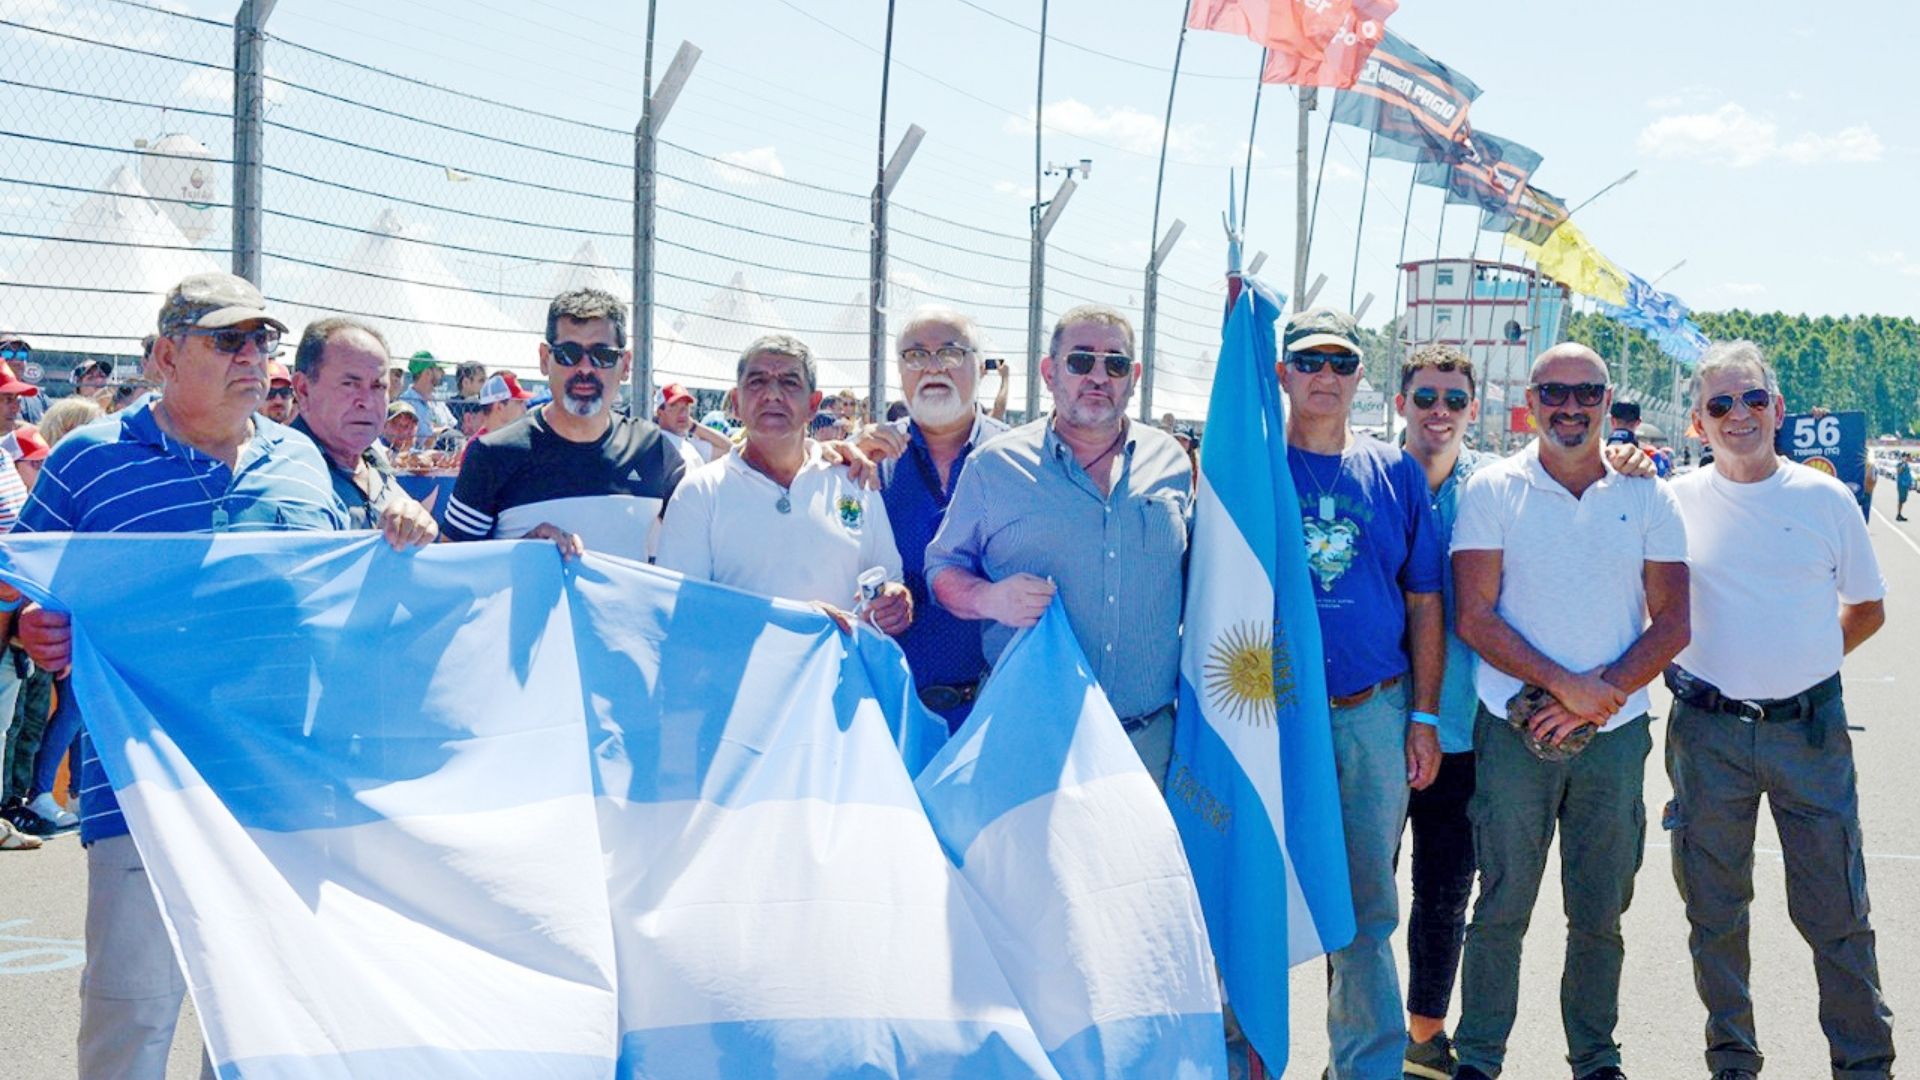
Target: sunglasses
1555 394
280 392
1310 363
570 353
1756 400
264 339
946 356
14 351
1080 362
1426 396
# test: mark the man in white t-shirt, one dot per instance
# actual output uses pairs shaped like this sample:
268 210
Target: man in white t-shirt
1785 584
1570 578
773 517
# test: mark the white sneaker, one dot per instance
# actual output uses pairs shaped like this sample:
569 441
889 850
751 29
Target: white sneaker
51 811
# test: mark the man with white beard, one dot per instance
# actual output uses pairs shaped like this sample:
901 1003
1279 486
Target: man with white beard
572 471
924 454
1091 505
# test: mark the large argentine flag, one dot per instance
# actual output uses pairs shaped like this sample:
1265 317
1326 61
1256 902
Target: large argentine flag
467 812
1068 849
1252 785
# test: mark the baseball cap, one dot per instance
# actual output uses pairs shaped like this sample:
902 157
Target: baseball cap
822 420
669 394
1322 326
420 362
716 420
399 407
503 387
84 367
214 301
11 383
32 446
277 373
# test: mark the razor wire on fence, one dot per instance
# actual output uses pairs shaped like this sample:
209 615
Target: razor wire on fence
450 220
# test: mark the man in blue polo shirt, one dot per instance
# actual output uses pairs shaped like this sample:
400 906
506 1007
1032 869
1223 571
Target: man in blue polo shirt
924 454
197 460
1375 558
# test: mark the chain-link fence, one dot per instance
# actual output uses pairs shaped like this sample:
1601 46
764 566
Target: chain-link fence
449 219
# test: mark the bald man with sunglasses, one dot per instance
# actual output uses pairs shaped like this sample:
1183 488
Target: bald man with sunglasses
573 471
1570 582
1784 586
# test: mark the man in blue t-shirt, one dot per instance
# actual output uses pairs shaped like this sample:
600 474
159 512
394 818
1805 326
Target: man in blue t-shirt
1375 557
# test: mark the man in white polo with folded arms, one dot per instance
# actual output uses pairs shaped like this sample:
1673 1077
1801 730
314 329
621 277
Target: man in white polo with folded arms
773 517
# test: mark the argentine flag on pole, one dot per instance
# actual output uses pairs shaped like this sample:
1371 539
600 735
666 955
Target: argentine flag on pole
1252 785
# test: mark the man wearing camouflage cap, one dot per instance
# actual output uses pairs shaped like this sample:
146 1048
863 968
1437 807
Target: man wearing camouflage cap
1568 578
194 461
1374 554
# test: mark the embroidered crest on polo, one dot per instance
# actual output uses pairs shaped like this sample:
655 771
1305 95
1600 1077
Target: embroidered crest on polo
851 512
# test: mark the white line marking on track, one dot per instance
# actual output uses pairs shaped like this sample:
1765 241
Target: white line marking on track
1908 540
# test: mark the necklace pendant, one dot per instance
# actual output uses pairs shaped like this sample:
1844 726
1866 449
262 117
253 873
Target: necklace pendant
1326 508
220 519
785 505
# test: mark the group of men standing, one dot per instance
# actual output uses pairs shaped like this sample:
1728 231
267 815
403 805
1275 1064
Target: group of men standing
1488 701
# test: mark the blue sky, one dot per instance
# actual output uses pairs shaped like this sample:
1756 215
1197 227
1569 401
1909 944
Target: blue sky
1771 140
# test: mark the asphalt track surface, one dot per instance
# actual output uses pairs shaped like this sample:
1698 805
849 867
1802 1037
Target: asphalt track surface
41 910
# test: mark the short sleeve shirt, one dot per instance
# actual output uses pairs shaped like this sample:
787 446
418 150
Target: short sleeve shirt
1572 570
1024 505
1370 539
1458 699
725 524
366 490
609 491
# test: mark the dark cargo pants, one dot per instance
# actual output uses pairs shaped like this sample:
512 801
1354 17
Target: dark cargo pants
1720 765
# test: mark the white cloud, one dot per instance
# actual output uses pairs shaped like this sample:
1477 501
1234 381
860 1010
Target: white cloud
1895 261
215 86
1342 172
1736 137
1119 125
755 166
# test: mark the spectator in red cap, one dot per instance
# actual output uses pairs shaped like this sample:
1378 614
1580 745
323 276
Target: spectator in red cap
12 389
502 401
33 451
697 443
16 354
280 407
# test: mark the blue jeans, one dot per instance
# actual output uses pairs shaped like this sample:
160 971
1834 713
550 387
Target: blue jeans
1366 1032
63 730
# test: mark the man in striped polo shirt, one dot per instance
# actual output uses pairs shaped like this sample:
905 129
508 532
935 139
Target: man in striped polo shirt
196 460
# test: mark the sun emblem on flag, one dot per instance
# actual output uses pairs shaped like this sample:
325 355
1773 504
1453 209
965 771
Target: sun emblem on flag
1240 673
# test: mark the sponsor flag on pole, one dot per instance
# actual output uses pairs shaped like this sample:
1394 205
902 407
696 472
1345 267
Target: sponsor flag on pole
1317 43
1417 105
468 812
1567 256
1481 170
1252 782
1531 218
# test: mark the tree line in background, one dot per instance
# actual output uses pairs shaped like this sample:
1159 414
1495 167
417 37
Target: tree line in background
1866 362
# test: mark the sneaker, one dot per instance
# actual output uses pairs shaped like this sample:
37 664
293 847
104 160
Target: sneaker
50 811
1736 1074
1604 1072
1468 1072
1430 1060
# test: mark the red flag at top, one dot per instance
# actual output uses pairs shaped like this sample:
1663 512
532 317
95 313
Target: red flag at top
1308 42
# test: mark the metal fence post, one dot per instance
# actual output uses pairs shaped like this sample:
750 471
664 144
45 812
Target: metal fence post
249 117
1045 215
653 113
1150 316
877 293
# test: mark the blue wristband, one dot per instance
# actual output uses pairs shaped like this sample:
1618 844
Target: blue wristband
1426 718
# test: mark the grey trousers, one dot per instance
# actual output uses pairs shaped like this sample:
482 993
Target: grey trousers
131 989
1720 765
1595 802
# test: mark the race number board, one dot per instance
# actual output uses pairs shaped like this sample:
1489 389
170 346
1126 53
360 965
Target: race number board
1836 444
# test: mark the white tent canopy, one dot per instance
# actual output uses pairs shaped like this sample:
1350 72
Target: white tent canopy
402 286
121 249
708 349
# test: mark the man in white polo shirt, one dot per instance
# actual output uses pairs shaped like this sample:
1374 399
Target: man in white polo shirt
773 517
1784 586
1572 579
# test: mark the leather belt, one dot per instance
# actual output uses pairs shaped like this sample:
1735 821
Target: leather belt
1701 694
943 698
1361 697
1132 724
